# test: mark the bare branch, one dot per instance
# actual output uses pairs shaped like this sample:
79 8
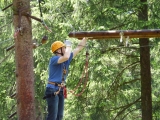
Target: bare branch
126 107
12 115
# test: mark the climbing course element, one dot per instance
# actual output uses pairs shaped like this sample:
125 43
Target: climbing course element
84 76
146 33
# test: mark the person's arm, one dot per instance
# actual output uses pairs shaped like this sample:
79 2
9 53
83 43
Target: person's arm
66 55
80 46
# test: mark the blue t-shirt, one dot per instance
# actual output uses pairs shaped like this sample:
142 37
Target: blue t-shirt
56 70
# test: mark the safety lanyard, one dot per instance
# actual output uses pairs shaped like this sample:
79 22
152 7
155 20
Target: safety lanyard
64 72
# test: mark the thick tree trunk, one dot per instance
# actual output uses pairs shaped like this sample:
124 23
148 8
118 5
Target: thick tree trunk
24 60
146 97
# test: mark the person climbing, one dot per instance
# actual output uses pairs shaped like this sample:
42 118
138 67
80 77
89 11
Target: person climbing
58 71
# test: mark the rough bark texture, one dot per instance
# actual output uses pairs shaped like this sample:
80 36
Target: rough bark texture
24 60
146 97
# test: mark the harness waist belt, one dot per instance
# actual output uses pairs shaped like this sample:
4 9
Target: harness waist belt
55 93
56 84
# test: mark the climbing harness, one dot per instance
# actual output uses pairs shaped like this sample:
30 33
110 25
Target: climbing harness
63 81
61 86
55 93
84 75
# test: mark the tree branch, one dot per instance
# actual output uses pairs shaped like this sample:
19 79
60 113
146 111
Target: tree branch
125 107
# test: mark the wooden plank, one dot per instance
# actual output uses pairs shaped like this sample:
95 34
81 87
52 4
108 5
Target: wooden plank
146 33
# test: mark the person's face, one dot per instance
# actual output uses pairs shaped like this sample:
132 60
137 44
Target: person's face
63 50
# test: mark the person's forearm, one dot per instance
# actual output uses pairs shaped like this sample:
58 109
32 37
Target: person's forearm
68 51
82 44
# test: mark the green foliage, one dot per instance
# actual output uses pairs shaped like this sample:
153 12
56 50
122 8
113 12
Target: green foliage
114 87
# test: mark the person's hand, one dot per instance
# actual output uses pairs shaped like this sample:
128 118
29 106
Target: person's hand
68 43
85 38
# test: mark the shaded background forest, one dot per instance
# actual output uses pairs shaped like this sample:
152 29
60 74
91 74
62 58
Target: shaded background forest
114 89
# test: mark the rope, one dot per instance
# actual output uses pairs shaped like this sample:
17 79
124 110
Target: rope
6 40
5 25
40 8
41 15
85 72
6 57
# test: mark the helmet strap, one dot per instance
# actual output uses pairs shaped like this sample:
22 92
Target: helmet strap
60 53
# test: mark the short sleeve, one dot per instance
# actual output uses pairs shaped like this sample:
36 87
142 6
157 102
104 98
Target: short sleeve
54 60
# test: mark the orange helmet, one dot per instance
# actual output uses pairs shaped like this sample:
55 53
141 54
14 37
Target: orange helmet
56 45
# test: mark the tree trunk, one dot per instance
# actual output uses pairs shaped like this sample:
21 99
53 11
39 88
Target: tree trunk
24 60
146 98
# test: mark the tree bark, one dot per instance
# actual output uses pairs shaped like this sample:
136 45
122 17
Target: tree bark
146 97
24 60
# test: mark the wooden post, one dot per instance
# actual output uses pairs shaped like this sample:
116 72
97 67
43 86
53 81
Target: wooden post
24 60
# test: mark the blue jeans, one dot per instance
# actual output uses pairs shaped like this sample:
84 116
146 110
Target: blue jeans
55 105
